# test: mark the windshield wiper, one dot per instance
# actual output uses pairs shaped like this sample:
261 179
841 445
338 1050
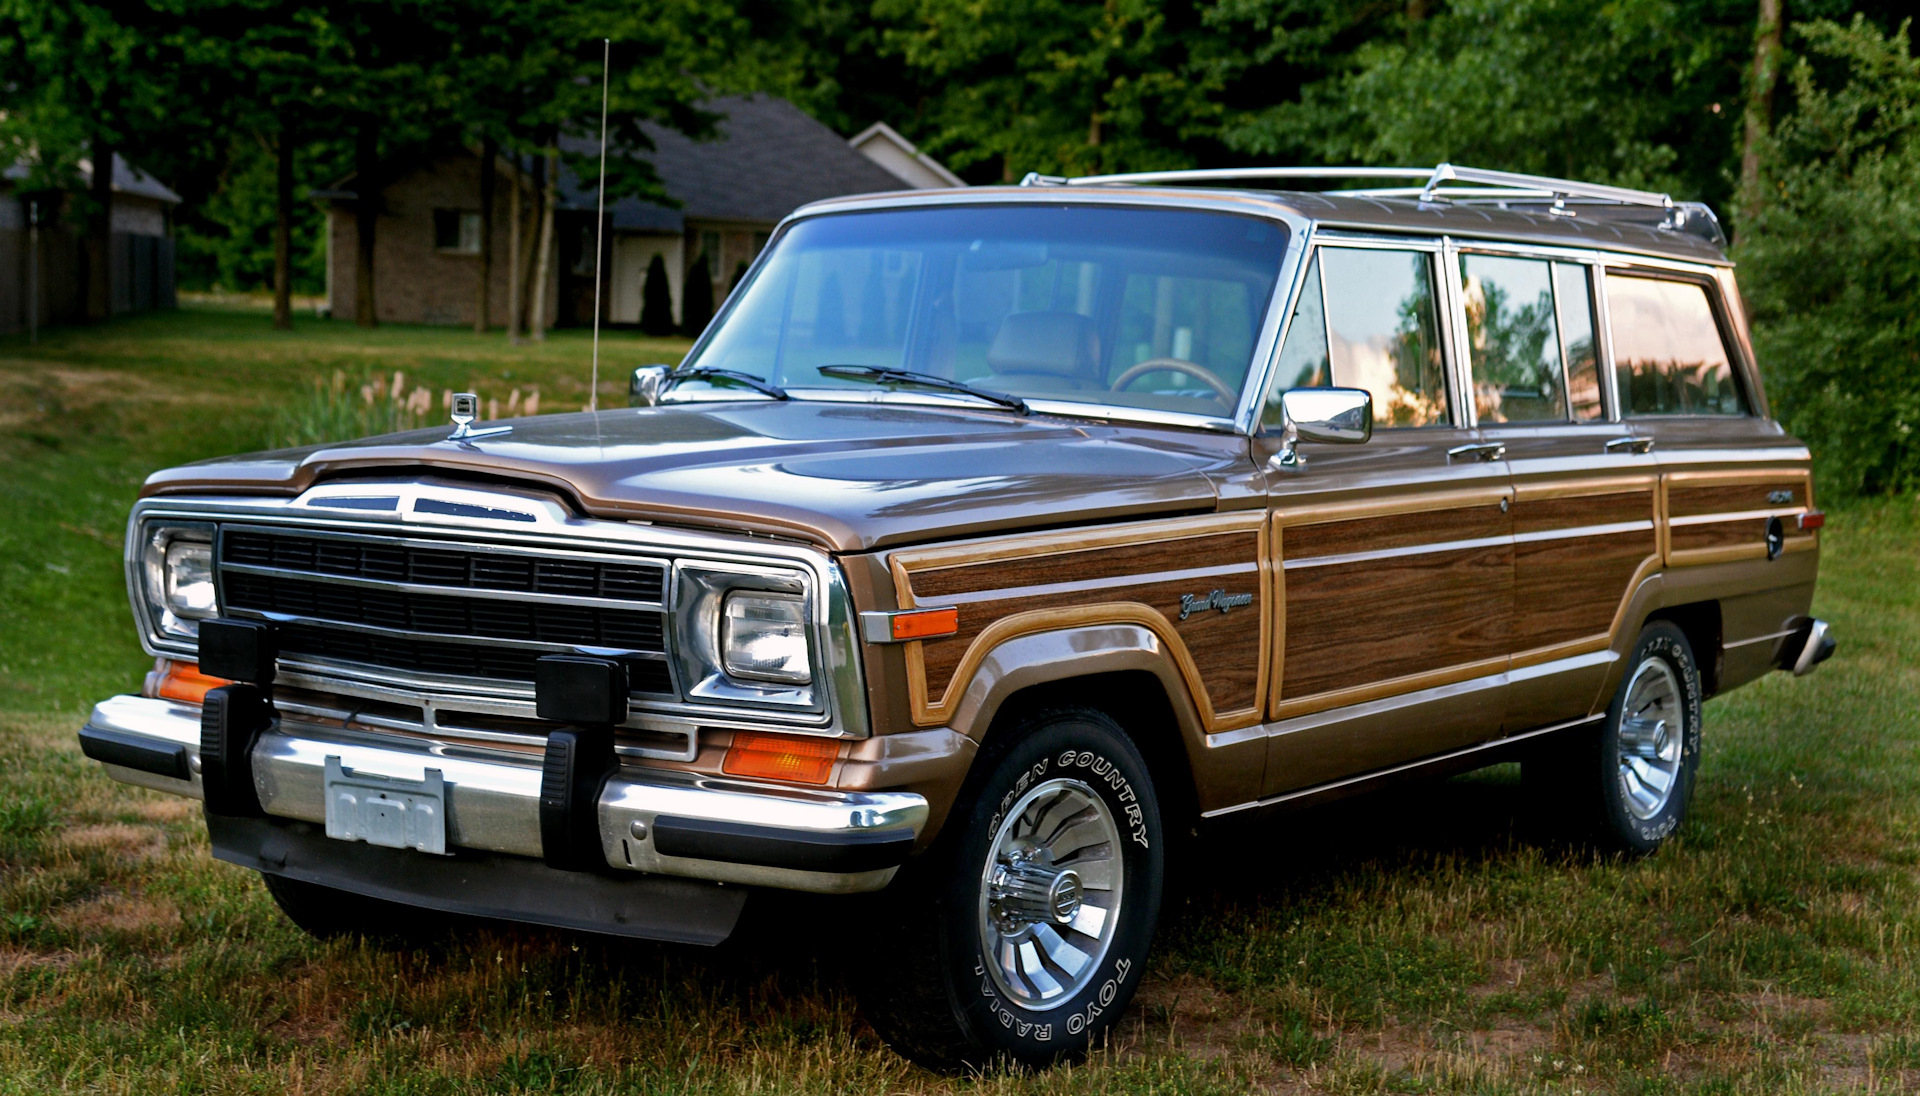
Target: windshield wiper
886 375
708 373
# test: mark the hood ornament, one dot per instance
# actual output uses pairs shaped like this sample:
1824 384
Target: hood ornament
466 408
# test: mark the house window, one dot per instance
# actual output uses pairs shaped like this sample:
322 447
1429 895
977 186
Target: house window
457 230
710 247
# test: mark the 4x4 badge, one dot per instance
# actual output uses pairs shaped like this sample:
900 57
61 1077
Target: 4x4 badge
1217 599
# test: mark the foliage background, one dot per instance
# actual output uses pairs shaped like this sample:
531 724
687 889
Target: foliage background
1645 93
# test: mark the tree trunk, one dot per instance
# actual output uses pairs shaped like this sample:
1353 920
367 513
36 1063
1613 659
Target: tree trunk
99 250
489 152
515 251
543 265
366 163
283 231
1767 34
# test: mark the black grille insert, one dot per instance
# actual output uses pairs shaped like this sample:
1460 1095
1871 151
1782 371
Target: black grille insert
452 568
456 659
589 625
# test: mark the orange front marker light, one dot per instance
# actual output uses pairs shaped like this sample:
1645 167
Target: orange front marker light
925 624
184 681
781 757
910 624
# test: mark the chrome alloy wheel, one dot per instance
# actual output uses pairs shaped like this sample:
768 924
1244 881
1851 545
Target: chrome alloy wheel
1050 894
1652 736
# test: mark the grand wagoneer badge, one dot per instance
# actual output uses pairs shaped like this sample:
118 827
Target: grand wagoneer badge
1216 599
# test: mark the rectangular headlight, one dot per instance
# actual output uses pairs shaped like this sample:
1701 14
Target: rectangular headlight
763 637
177 578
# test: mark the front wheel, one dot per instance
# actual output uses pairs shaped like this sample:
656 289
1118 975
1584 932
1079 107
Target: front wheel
1025 930
1628 782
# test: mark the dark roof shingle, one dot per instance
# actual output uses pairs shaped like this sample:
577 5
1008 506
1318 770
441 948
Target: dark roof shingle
767 158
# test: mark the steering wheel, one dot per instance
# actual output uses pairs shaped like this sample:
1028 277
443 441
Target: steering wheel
1228 395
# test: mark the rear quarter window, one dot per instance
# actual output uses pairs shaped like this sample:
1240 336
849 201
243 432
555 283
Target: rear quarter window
1668 352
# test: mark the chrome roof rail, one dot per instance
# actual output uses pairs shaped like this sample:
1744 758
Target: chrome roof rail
1484 185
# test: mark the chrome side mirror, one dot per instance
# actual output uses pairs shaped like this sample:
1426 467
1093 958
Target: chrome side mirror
647 384
1341 416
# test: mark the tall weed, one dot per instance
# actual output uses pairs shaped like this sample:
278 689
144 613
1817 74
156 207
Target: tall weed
336 410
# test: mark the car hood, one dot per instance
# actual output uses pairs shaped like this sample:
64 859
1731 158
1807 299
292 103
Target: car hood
849 477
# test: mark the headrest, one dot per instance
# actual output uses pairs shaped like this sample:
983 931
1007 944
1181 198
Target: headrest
1061 344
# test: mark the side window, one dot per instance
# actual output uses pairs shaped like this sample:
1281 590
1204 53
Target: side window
1530 334
1303 360
1667 352
1366 318
1573 300
1513 339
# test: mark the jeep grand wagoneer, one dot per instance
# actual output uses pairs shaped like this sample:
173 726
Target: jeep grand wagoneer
987 543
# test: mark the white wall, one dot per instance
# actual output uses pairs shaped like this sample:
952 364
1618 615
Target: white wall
632 254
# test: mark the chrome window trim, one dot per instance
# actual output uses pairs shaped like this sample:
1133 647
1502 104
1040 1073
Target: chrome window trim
1745 370
1450 342
1594 263
1243 419
1603 343
843 706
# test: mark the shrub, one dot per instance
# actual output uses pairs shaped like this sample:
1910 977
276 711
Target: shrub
696 303
1831 259
656 300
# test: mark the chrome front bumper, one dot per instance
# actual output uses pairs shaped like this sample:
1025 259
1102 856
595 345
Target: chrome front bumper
711 828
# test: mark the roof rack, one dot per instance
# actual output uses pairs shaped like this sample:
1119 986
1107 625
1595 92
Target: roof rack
1492 185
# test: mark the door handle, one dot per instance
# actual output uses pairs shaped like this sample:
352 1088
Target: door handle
1483 450
1631 445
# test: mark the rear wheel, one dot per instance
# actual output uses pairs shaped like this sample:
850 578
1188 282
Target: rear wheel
1025 930
1628 782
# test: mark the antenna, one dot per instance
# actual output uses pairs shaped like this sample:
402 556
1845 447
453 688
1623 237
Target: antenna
600 222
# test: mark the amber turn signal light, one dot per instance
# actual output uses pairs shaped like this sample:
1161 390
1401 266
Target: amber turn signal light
184 681
1813 519
781 757
925 624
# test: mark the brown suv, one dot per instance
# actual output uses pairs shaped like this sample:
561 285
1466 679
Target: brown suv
990 541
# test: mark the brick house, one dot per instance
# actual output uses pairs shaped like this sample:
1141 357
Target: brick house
42 247
768 158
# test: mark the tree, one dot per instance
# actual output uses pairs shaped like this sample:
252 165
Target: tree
696 301
1058 86
656 300
93 81
1831 259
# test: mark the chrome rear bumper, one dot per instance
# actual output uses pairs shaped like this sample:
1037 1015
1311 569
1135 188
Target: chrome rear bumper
650 820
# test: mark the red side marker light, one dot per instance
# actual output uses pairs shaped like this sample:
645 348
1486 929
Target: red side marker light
1813 519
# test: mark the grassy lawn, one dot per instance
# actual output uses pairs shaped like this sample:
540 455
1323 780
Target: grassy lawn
1419 942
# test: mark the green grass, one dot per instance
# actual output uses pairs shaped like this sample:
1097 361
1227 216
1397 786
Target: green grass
1420 942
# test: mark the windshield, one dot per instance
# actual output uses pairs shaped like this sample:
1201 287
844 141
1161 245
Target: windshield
1143 308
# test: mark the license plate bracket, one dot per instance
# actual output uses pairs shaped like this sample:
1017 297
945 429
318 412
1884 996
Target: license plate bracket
387 811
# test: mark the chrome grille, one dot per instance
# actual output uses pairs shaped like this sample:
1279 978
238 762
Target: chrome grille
453 610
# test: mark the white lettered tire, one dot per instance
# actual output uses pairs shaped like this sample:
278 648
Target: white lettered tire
1023 933
1626 783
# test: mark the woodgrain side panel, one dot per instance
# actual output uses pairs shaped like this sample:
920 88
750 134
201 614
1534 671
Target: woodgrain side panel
1719 517
1570 588
1394 531
1126 574
1576 559
1350 624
